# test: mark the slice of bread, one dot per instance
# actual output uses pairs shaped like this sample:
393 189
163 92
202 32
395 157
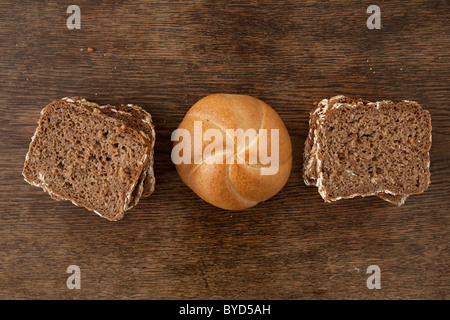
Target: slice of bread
78 153
310 173
137 118
360 148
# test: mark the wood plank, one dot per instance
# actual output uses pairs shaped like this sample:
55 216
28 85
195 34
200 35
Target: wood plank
166 55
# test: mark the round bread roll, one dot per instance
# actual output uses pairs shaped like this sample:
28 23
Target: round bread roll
230 177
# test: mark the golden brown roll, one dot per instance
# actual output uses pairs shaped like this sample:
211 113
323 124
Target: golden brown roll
242 160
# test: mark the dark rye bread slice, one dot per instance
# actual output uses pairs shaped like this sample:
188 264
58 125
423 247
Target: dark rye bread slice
137 118
310 162
146 182
365 148
82 155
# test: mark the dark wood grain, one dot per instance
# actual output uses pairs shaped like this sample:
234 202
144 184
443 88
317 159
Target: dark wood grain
166 55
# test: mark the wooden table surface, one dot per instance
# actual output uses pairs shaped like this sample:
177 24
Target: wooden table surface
166 55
